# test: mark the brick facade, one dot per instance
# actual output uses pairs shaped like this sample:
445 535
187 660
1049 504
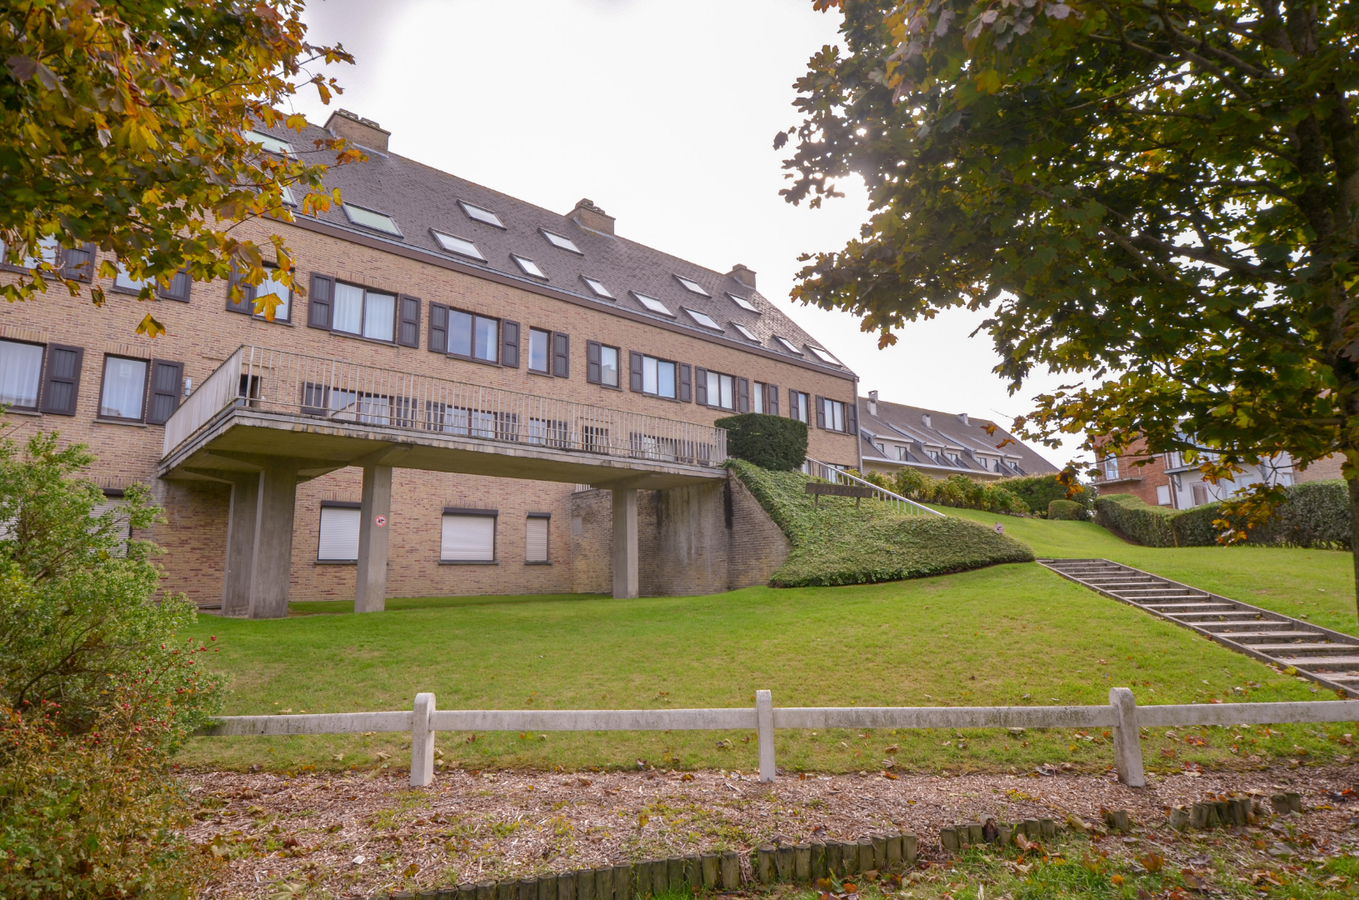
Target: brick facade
1140 481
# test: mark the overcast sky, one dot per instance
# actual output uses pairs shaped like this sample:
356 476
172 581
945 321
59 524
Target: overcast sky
663 114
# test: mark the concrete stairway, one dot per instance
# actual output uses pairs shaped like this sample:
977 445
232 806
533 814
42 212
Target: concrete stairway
1327 657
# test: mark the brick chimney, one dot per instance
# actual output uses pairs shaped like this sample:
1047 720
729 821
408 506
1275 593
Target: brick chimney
872 403
358 130
591 217
745 276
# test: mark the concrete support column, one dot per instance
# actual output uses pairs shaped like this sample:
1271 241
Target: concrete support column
625 565
240 552
370 594
273 555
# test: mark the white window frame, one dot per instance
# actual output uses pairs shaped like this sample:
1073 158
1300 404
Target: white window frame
482 215
744 304
363 312
342 516
703 319
692 286
467 516
371 218
561 241
653 305
597 288
528 266
460 246
543 520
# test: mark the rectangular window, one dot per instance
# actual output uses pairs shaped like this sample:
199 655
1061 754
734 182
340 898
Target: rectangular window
1111 468
123 395
364 312
535 539
1200 492
798 404
831 415
20 374
658 377
468 536
757 397
548 433
268 286
339 540
473 336
608 366
539 351
721 390
1162 495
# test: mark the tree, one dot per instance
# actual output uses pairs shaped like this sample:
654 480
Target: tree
123 125
1160 197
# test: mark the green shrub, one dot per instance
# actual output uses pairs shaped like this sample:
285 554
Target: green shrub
1037 491
957 490
1315 514
834 542
770 442
1194 527
1131 518
1067 510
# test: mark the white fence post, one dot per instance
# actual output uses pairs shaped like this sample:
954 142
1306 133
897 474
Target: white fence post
1127 738
764 729
422 741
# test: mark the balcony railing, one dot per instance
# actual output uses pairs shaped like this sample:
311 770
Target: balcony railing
836 475
278 381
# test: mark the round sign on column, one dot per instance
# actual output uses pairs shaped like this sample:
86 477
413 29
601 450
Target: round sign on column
380 521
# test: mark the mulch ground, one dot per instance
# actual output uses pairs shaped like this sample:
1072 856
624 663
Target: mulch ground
365 833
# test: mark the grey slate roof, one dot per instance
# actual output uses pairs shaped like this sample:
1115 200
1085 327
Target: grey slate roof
902 424
421 200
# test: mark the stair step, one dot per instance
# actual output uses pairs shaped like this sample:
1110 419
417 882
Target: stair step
1243 615
1246 637
1190 607
1275 649
1309 662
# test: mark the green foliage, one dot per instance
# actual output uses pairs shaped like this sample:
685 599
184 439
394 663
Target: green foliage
1067 510
957 491
1313 514
1133 519
1038 491
834 542
121 126
776 443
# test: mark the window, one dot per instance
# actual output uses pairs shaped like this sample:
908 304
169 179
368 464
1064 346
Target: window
1162 495
477 214
601 364
528 266
744 303
798 404
268 286
459 246
721 390
1111 468
787 345
473 336
178 289
269 144
653 304
703 319
654 376
831 415
363 312
20 374
902 453
745 332
124 392
468 536
597 288
535 539
565 243
370 219
539 351
692 287
823 355
1200 492
339 540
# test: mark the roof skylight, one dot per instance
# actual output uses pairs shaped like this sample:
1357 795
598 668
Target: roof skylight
743 303
787 344
557 240
703 319
692 286
745 332
596 287
268 144
823 355
459 246
529 266
477 214
653 304
370 219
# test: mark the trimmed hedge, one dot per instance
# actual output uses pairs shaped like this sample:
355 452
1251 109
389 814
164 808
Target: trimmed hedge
1037 491
1135 520
770 442
957 491
1067 510
834 543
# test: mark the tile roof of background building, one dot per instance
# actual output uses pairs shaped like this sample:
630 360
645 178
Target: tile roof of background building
904 424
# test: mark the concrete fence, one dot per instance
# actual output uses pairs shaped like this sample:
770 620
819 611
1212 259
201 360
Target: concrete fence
1122 716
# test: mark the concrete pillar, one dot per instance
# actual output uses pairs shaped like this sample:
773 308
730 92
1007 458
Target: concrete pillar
1127 738
240 551
370 593
273 555
764 730
625 571
422 740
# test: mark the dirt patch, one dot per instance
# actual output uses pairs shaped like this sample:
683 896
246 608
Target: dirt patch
366 833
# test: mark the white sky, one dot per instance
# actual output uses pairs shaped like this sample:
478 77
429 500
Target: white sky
663 114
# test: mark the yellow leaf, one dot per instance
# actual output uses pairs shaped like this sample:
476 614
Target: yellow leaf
988 82
150 327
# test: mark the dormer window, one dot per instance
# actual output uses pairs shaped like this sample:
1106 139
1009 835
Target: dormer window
528 266
703 319
371 219
787 344
597 287
744 303
477 214
823 355
692 286
563 243
653 304
268 144
459 246
745 332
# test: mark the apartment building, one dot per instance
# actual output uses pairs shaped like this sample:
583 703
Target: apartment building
1169 480
464 369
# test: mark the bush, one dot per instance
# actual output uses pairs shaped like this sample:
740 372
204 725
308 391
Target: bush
1037 491
1131 518
957 491
1316 514
770 442
1067 510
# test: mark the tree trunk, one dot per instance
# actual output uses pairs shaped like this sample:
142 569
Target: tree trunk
1353 483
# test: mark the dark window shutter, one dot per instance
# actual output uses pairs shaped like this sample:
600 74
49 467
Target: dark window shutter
179 287
61 379
635 371
166 380
592 362
852 417
438 328
408 324
561 355
509 355
247 302
700 386
77 264
820 411
686 391
322 300
743 395
771 399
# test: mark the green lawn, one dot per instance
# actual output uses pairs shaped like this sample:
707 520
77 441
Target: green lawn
1013 634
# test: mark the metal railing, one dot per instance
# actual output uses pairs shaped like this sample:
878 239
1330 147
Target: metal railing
280 381
836 475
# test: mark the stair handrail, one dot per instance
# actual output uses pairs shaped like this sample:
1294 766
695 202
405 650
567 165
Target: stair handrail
840 476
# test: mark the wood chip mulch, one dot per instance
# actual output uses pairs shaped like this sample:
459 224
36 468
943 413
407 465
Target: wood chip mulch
365 833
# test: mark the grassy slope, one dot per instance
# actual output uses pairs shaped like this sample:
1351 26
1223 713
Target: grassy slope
836 542
1317 584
